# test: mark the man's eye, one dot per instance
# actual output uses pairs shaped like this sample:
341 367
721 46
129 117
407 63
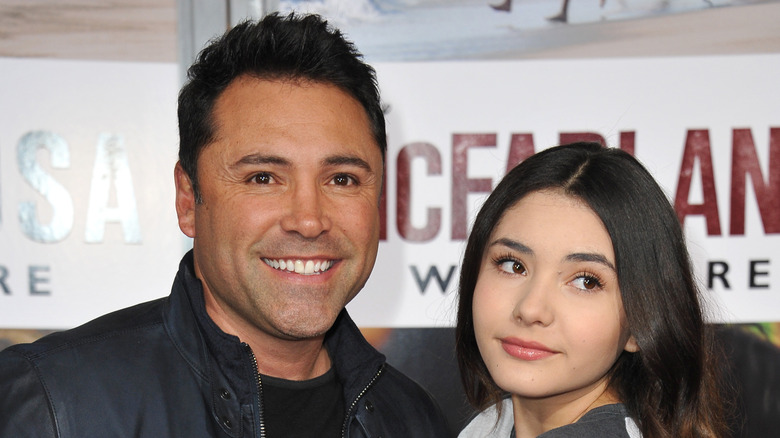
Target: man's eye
344 180
262 178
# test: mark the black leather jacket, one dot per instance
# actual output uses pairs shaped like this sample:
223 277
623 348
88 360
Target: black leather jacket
164 369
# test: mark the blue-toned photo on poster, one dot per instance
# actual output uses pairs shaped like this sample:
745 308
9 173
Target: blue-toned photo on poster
428 30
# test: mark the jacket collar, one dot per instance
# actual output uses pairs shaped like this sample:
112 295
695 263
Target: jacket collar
356 362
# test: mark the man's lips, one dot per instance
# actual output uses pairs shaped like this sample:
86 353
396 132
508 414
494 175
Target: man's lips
526 350
300 266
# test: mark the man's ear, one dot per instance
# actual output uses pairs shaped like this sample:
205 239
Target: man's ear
185 200
631 345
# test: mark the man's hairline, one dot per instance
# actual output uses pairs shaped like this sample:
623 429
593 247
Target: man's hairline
294 79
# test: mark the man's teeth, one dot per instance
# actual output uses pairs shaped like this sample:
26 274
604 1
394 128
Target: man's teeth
308 267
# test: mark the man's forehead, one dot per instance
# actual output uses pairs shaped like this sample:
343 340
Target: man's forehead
257 119
279 160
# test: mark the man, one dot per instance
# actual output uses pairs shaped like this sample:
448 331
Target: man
282 141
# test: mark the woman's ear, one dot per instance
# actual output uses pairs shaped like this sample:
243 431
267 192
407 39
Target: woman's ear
631 345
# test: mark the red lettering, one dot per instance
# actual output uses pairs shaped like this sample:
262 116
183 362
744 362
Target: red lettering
462 185
403 184
383 206
572 137
744 161
521 146
627 141
697 145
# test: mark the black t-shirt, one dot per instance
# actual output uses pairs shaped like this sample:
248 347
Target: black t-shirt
308 408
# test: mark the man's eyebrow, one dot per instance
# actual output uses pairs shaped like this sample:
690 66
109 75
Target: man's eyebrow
349 160
590 257
512 244
254 159
336 160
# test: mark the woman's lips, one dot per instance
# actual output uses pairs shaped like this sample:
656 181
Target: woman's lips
526 350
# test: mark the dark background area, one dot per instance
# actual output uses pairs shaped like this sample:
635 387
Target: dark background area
753 377
427 355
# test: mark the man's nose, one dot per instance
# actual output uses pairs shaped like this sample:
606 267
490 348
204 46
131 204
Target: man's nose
306 212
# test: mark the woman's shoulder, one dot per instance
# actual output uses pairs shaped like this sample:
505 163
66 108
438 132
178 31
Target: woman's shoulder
608 421
487 423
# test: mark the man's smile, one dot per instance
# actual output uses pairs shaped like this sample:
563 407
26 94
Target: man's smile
305 267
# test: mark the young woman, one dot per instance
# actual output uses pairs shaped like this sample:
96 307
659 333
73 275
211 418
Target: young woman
579 315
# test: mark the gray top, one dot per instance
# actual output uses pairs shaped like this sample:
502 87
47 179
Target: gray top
608 421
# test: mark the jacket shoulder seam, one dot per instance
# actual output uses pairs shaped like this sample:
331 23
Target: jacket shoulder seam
88 339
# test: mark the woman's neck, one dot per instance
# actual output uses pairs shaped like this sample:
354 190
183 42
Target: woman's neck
534 416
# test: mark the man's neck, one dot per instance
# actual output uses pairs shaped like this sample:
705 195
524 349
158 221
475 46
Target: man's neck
302 361
290 359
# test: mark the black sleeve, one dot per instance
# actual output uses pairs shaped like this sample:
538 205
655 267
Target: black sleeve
25 408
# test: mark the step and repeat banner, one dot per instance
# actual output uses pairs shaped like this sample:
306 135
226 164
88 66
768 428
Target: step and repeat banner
87 150
456 128
87 221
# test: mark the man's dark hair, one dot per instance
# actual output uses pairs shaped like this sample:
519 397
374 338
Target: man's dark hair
292 47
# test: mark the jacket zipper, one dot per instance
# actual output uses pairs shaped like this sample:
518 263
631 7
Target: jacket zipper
357 399
259 383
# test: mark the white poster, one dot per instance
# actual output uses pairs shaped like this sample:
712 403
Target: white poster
708 128
87 219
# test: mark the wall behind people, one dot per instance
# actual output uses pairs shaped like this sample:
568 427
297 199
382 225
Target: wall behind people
88 144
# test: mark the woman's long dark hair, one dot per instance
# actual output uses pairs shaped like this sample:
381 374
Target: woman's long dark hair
670 385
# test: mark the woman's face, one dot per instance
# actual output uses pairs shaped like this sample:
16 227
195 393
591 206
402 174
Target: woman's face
548 315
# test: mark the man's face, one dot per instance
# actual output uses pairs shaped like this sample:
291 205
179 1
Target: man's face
288 229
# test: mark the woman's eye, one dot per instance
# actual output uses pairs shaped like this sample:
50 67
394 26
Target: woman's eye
512 267
587 282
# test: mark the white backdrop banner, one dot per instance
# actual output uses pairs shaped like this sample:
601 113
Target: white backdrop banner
708 128
87 221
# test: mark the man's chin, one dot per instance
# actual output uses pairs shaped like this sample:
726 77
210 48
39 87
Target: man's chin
305 328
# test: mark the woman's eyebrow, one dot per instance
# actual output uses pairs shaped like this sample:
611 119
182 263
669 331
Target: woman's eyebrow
575 257
590 257
512 244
